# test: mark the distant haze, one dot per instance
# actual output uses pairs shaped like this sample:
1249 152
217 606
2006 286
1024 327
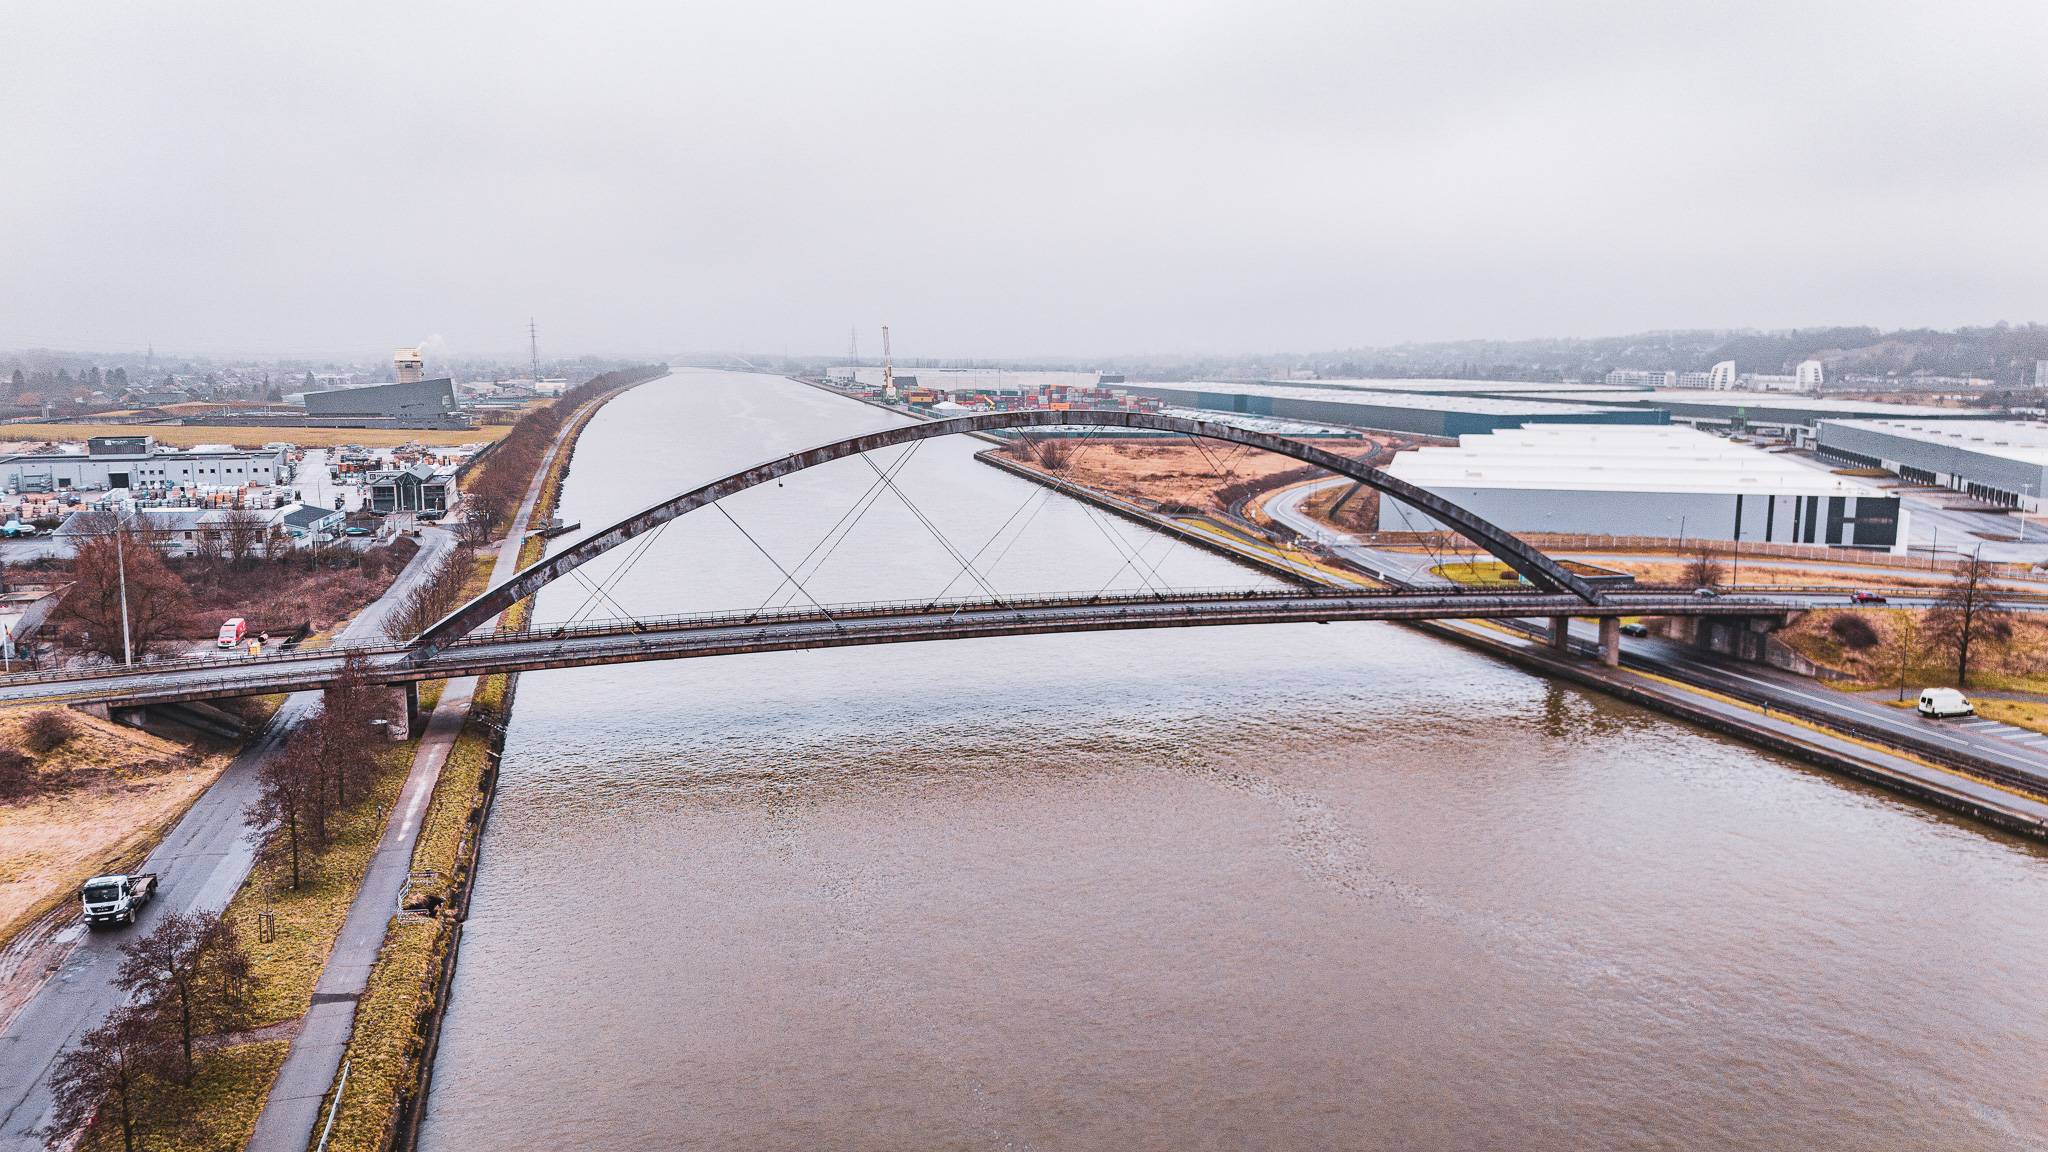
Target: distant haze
1009 180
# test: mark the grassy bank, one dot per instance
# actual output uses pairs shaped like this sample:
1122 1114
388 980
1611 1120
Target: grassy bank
389 1048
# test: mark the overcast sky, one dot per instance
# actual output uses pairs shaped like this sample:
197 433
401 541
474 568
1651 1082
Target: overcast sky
1010 180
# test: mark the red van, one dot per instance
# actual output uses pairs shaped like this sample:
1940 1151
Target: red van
231 633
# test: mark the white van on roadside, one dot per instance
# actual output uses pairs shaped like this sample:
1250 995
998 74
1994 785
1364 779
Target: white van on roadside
1940 702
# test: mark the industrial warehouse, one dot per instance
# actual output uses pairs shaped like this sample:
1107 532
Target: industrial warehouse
1429 414
139 464
1671 482
2002 462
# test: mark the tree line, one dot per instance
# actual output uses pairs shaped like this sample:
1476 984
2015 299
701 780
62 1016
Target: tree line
497 485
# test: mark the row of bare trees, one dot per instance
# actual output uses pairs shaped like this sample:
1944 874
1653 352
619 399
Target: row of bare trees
191 980
435 596
495 488
328 761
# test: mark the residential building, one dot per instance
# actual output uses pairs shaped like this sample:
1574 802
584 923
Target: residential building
420 488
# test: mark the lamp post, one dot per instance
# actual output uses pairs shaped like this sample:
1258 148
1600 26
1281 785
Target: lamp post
121 566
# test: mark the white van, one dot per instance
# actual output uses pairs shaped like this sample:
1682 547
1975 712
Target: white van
1940 702
231 633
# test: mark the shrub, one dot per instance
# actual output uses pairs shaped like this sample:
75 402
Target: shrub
17 776
46 731
1853 632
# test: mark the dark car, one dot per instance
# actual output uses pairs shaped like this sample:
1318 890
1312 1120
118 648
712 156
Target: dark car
1634 630
431 515
1865 598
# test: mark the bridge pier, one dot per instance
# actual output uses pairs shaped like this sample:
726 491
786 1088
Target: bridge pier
1610 641
1560 631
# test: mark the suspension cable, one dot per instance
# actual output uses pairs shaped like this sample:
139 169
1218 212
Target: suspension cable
778 565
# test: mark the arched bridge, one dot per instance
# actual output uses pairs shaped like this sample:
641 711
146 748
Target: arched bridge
446 649
1545 574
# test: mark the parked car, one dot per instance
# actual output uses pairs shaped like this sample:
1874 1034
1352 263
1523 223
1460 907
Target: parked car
1865 598
431 515
231 632
1940 702
355 531
1634 630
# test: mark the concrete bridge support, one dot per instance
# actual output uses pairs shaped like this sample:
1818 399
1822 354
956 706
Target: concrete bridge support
1560 631
1610 641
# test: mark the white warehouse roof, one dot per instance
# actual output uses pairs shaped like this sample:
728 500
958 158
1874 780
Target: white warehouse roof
1617 458
2022 440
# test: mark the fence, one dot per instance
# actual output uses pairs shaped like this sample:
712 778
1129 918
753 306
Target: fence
1566 542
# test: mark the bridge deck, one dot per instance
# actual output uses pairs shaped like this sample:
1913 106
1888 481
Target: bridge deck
733 633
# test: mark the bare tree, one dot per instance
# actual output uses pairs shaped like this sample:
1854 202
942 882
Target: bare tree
122 1063
291 807
158 603
1966 613
1702 569
243 530
192 979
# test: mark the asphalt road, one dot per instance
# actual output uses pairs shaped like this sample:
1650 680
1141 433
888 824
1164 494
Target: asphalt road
1998 743
202 864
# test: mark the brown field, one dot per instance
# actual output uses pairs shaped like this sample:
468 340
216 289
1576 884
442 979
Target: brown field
179 436
1175 471
2016 661
122 785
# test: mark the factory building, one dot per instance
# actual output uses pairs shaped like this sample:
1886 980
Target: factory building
1997 461
417 399
1425 413
137 463
1667 482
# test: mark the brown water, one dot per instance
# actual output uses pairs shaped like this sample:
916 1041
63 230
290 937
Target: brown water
1281 887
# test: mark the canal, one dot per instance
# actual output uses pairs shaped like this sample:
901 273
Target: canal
1337 886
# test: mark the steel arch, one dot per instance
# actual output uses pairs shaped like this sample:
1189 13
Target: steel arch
1543 572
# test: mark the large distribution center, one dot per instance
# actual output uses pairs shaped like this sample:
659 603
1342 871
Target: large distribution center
1996 461
1429 414
1669 482
417 399
1787 417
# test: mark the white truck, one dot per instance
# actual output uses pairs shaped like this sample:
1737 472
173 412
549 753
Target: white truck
116 899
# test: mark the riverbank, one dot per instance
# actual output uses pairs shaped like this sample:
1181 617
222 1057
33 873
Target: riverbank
391 989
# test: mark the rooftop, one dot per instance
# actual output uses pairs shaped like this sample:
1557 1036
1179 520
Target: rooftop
1531 406
2022 440
1663 397
1617 458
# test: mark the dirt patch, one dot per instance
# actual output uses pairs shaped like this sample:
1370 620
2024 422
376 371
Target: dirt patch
1179 474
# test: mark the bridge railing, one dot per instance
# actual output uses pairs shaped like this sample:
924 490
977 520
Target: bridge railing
868 608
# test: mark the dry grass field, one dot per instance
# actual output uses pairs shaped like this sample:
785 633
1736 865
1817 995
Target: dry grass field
117 787
179 436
